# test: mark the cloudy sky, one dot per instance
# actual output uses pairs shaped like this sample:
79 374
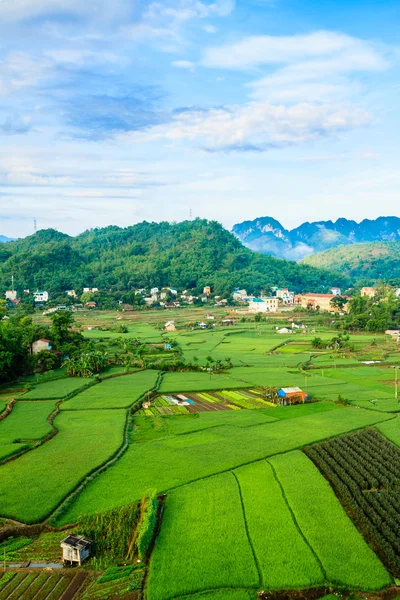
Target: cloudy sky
116 112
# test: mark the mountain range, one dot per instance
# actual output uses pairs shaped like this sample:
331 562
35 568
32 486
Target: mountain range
268 236
4 239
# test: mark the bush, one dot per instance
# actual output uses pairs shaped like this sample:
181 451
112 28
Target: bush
147 525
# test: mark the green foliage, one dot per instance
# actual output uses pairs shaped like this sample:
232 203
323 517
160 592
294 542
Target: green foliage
111 533
86 365
114 573
364 469
147 524
364 263
190 255
318 343
6 578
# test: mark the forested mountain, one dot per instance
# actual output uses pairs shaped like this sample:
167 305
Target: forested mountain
186 255
268 236
364 263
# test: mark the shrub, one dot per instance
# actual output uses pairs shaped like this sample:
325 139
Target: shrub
147 525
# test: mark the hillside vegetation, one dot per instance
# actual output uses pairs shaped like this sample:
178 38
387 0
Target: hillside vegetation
366 262
188 255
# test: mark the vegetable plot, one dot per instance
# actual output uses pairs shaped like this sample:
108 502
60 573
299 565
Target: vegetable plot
364 469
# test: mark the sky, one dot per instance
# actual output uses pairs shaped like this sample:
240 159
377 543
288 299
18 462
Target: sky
131 110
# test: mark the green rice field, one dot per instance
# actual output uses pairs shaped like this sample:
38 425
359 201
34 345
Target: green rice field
54 390
245 509
118 392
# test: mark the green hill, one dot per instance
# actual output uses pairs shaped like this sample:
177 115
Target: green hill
186 255
367 262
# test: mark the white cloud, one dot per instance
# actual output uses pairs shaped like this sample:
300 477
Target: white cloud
20 10
257 126
185 10
255 51
183 64
315 67
210 29
19 70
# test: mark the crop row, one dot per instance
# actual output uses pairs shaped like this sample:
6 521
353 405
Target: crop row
364 469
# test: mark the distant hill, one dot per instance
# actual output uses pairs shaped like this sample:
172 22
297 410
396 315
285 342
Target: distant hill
372 261
3 239
186 255
268 236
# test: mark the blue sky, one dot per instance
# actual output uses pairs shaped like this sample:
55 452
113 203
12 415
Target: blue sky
116 112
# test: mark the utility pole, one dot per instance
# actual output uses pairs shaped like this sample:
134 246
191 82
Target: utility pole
34 225
396 381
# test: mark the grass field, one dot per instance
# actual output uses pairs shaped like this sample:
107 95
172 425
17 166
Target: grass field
118 392
56 389
166 462
26 423
391 430
50 472
189 559
284 557
344 555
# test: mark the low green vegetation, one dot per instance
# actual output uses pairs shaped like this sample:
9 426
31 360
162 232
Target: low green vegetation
188 559
344 555
26 422
118 392
170 461
391 430
84 441
54 390
112 533
285 560
147 525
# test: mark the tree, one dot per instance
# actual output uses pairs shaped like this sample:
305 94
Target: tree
318 343
338 302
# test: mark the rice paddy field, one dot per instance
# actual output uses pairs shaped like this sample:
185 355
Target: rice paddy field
245 508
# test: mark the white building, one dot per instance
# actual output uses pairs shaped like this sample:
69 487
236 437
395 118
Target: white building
263 305
397 292
285 295
11 295
92 290
336 291
239 295
75 549
71 293
41 296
